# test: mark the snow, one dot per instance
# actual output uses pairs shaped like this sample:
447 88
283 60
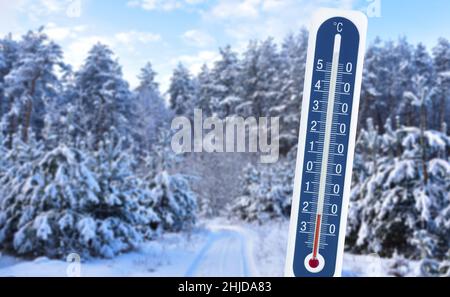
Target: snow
424 203
66 221
227 252
87 229
437 140
170 255
439 167
42 228
402 170
445 74
215 248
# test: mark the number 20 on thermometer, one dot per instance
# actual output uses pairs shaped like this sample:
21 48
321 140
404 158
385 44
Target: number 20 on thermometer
326 143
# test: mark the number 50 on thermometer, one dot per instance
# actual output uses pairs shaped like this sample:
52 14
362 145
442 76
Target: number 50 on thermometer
326 143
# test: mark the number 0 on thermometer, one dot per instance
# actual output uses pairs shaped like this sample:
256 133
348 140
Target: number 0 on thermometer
326 143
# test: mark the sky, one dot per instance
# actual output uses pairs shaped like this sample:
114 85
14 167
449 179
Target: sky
166 32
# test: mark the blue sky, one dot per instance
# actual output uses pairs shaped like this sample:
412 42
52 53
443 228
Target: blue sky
166 32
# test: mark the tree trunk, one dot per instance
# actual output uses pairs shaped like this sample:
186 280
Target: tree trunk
423 122
27 120
362 113
12 126
29 110
442 109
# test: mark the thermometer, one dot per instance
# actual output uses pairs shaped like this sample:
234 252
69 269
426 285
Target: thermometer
326 143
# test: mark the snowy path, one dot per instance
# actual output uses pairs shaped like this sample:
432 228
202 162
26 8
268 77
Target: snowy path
227 252
215 249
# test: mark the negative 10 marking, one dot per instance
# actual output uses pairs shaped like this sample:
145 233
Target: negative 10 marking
326 143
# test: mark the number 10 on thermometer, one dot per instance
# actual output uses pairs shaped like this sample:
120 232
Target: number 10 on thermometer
326 143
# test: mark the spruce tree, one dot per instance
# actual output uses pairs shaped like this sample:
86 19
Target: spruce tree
103 100
182 92
31 81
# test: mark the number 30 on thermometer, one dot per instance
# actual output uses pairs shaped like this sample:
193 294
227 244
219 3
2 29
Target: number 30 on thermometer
326 143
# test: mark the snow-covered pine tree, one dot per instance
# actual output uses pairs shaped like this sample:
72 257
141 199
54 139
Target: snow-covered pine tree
3 163
373 72
172 198
293 61
20 202
420 96
147 78
401 69
103 98
62 124
266 192
30 83
205 91
246 207
19 160
152 112
225 83
176 204
66 200
387 64
395 208
182 92
366 162
422 63
441 59
122 199
260 77
8 56
61 117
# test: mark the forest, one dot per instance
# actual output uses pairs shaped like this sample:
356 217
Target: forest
86 163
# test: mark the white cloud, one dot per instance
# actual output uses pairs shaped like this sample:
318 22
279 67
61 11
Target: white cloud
122 42
258 19
52 6
198 38
58 33
154 4
195 62
137 36
236 9
268 5
194 2
165 5
36 10
124 45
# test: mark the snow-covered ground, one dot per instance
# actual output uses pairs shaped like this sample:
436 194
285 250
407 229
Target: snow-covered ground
271 243
214 248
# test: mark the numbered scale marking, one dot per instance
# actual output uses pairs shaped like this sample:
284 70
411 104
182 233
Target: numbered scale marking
326 143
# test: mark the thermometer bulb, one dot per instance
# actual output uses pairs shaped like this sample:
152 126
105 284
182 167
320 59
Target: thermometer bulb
314 263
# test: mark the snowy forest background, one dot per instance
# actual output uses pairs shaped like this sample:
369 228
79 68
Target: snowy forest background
86 164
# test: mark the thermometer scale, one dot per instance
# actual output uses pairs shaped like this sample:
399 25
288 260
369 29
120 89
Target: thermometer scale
326 143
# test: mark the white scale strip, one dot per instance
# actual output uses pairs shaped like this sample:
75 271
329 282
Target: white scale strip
329 124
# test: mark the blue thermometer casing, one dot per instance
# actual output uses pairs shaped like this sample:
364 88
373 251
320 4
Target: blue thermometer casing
326 143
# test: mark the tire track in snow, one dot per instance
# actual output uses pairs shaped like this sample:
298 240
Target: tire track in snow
226 253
